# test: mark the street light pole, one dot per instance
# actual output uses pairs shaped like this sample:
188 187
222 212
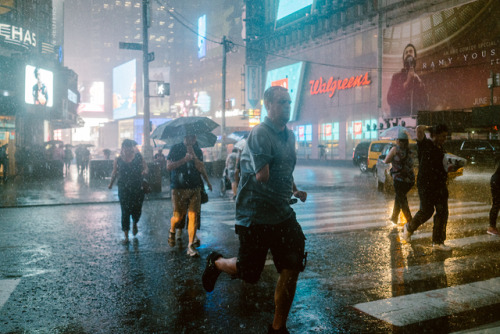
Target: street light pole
147 149
223 125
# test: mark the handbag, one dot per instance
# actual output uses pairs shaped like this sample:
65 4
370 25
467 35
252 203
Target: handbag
203 196
146 188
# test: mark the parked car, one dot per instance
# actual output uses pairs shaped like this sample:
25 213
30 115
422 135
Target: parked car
382 171
360 156
478 152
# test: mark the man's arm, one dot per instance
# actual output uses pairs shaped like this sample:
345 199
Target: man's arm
171 165
302 195
263 174
421 132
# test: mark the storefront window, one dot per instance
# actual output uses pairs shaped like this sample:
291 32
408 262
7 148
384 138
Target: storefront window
328 141
303 136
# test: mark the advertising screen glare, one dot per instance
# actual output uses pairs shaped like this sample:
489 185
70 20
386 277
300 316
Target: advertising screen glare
287 7
124 90
448 63
290 77
38 86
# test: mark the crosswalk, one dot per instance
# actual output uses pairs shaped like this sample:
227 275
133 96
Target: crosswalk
326 214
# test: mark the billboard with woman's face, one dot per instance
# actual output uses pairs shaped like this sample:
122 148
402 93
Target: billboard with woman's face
38 86
441 60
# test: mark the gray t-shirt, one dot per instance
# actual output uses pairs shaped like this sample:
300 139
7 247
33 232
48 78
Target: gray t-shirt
266 203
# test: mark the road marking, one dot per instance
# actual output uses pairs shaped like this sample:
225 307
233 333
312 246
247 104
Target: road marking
410 309
343 218
7 286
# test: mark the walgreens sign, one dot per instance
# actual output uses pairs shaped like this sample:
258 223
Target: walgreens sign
330 86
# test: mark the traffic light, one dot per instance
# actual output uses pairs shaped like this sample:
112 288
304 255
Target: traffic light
163 88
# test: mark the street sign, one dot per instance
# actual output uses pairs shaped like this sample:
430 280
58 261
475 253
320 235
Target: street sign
252 86
130 46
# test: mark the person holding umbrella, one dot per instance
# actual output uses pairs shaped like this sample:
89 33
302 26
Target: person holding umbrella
185 163
129 167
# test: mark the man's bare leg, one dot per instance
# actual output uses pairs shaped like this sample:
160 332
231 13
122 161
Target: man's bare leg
283 297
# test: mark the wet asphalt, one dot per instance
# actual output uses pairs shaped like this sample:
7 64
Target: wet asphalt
61 244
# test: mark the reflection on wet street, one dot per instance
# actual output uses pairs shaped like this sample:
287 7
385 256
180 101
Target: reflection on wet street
64 268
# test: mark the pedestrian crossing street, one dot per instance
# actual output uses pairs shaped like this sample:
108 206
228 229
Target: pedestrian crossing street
326 214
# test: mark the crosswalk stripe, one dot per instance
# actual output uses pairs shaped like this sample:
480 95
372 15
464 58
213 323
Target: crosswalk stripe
413 308
7 286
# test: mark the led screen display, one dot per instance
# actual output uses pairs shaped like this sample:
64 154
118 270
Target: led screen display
124 90
289 77
287 7
38 86
92 97
202 33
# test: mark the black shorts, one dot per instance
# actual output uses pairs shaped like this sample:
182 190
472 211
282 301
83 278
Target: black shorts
285 240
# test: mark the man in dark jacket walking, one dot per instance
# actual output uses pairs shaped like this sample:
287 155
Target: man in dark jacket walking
431 183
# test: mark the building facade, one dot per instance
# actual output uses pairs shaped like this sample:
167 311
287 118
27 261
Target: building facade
341 61
38 95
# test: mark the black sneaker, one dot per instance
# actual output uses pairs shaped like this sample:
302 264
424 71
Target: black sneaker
282 330
211 273
171 239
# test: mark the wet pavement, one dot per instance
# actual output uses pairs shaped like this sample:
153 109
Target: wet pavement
64 267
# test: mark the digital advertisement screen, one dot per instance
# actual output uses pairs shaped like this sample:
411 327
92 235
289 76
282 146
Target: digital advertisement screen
202 33
289 77
442 60
287 7
38 86
92 97
125 90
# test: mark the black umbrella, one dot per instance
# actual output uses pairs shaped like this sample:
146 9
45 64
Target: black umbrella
184 126
206 139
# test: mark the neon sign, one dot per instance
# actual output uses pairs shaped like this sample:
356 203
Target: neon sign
321 86
18 36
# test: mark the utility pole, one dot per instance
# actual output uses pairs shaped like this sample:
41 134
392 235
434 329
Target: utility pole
147 149
223 125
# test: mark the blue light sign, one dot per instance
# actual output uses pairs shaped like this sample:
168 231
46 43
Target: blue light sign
287 7
202 34
290 77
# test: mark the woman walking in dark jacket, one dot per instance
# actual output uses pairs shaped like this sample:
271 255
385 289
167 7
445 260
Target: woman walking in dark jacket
129 167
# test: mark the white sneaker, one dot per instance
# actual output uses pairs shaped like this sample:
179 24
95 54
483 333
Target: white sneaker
441 247
406 234
191 251
178 234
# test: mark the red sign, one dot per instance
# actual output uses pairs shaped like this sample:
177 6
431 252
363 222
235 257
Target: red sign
282 82
328 131
358 128
321 86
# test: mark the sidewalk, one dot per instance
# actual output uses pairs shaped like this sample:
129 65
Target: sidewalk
72 189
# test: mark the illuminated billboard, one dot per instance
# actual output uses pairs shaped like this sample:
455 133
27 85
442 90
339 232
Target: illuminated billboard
291 10
289 77
125 90
287 7
442 60
38 86
92 97
202 34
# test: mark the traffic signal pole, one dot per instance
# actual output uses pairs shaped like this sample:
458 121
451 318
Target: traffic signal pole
223 116
147 149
